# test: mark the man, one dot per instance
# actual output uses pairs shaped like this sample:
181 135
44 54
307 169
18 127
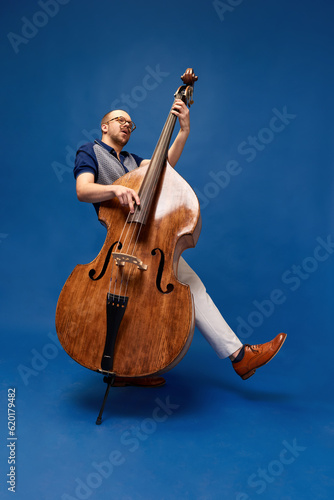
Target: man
97 166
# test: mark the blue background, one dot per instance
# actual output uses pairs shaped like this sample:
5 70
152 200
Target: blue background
254 59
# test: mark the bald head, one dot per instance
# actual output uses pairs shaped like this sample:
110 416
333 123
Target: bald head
114 114
116 133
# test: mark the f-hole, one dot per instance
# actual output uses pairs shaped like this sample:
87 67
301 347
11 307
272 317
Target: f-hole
170 286
106 263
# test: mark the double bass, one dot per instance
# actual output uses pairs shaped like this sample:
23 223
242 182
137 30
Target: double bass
126 314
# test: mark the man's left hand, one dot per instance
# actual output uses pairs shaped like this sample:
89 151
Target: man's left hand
180 110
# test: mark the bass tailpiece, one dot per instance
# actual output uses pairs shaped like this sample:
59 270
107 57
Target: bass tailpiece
116 306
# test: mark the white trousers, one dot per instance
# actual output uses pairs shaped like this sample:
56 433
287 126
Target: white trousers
208 319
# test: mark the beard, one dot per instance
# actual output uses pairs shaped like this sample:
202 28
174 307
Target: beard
121 139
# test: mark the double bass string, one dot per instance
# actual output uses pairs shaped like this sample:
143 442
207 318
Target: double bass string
126 250
150 194
148 197
118 271
168 130
129 236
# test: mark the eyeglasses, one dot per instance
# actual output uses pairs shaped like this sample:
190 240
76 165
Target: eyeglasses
123 121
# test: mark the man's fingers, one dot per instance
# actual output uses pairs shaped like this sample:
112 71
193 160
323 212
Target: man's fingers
131 203
133 196
136 197
127 197
178 104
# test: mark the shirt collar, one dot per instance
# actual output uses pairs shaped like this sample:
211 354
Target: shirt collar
110 149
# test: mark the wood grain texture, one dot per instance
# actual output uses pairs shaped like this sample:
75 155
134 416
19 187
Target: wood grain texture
157 327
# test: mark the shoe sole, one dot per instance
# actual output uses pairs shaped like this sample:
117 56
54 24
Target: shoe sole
251 372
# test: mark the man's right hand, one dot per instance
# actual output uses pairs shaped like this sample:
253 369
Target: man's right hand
90 192
126 196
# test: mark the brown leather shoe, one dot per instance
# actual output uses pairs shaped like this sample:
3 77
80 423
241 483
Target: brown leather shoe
139 381
258 355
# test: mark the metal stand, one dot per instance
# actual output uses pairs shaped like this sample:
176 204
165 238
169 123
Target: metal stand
108 380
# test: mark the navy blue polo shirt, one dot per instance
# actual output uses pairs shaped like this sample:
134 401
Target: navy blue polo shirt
86 160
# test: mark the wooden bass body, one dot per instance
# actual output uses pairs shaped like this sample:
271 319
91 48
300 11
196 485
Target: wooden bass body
157 324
